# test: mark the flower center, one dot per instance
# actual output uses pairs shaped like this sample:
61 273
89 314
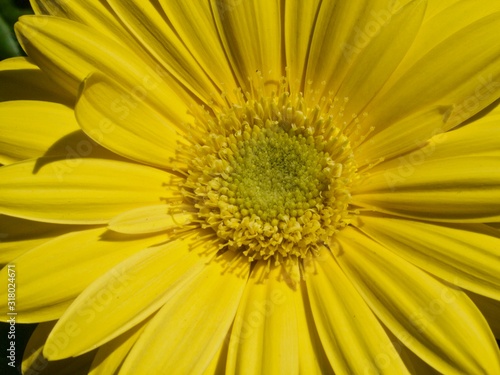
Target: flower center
271 179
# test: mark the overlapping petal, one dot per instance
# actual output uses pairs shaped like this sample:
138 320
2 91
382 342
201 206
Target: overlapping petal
93 13
83 191
352 337
51 45
30 128
152 276
110 356
53 274
35 362
18 236
23 80
198 315
133 129
452 178
421 311
153 219
174 38
250 32
465 255
412 110
264 337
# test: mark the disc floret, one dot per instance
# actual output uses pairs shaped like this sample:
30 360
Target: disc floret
271 179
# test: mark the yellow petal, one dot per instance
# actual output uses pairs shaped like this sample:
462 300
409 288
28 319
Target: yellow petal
300 18
490 308
391 34
422 312
29 128
152 219
342 32
18 236
23 80
135 131
35 363
352 337
50 43
111 356
87 191
251 34
442 20
438 92
264 335
126 295
33 358
465 255
465 189
454 177
196 319
93 13
182 37
53 274
218 364
312 356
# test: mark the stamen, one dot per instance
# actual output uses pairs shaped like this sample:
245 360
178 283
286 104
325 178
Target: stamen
272 177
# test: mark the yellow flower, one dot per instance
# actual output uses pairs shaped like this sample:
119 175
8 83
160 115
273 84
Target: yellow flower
254 186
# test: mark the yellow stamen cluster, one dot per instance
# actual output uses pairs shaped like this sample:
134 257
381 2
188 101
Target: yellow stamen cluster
272 178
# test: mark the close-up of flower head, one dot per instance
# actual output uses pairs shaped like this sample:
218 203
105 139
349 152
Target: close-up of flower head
252 187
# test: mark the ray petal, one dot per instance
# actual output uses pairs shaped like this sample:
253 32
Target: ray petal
465 255
352 337
197 318
151 276
79 191
52 275
264 335
436 321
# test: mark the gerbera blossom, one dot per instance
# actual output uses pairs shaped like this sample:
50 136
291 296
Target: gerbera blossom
254 186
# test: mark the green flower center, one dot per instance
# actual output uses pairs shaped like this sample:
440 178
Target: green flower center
276 174
271 180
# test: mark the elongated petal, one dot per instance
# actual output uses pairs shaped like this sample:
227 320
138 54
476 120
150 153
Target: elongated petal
412 109
300 17
29 128
199 316
342 32
33 357
152 219
465 189
18 236
490 308
251 36
454 177
23 80
465 255
86 191
93 13
110 356
421 311
352 337
53 274
264 335
392 33
35 363
312 356
180 44
442 20
137 132
151 276
51 45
